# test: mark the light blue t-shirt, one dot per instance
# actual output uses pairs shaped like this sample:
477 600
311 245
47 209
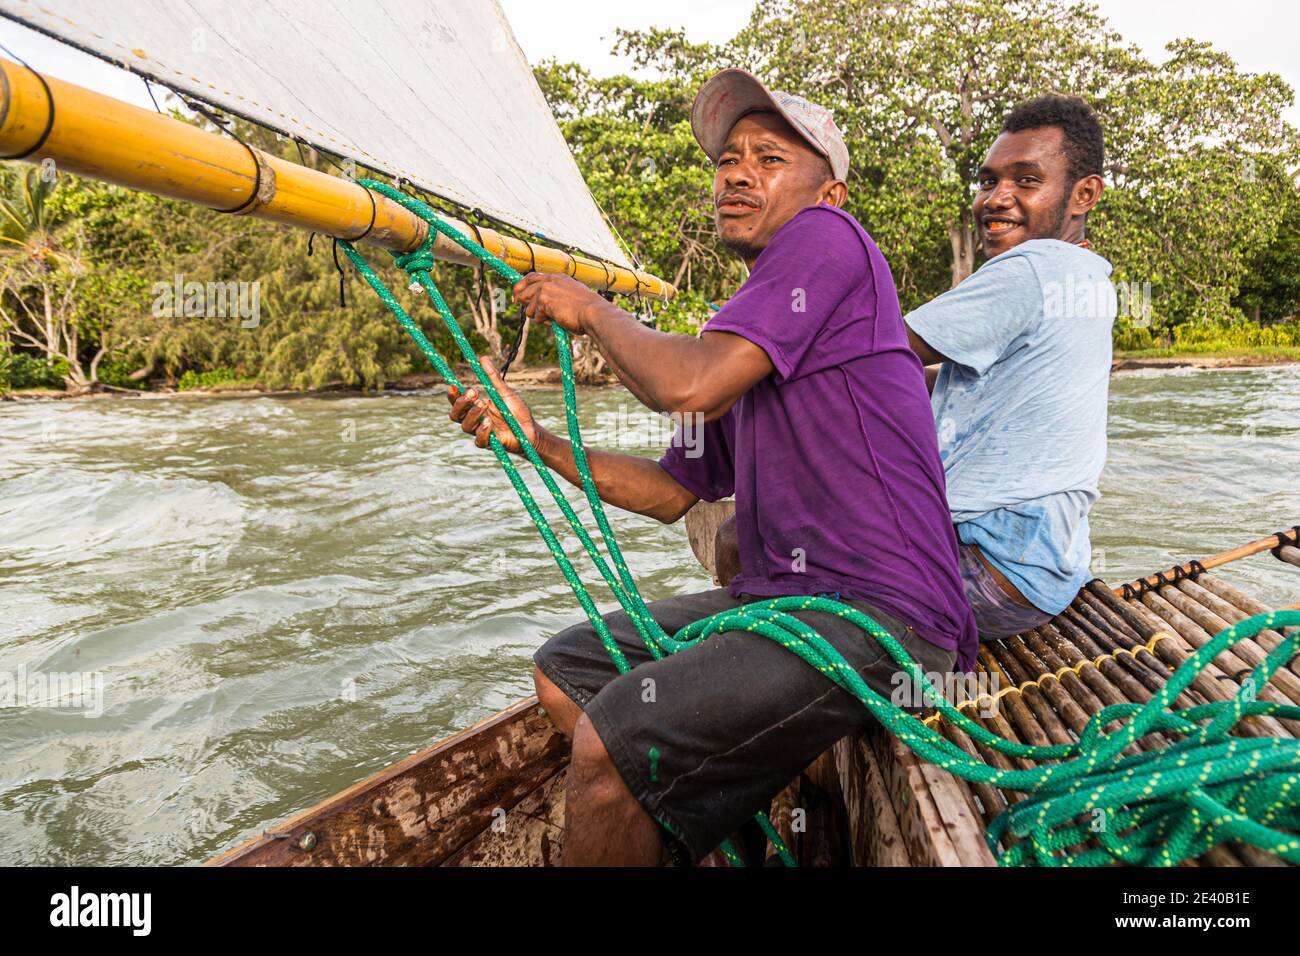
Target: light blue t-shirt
1021 409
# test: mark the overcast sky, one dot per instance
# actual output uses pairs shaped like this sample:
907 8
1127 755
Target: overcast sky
1262 35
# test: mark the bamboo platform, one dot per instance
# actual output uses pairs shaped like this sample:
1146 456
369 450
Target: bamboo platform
1110 646
494 794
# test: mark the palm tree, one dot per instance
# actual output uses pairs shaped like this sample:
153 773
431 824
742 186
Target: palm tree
40 266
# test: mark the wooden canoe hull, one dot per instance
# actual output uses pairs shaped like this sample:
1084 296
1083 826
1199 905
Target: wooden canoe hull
485 795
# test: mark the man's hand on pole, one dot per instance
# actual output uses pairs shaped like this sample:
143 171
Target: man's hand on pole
559 299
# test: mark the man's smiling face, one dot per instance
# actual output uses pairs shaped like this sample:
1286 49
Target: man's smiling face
766 174
1024 189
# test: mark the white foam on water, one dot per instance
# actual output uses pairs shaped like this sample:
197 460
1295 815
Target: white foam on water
72 515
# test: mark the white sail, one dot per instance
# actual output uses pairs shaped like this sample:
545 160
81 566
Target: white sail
438 93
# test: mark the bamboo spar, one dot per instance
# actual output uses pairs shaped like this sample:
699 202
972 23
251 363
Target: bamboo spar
1279 539
102 138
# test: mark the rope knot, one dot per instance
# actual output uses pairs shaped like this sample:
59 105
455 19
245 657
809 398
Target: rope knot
421 260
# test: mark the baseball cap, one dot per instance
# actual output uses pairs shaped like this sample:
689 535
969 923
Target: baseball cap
727 96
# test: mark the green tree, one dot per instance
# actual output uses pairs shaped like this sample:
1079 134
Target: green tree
1198 154
301 337
1201 207
1270 289
920 90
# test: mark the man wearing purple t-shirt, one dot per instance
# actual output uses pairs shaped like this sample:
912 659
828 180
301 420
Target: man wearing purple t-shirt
818 421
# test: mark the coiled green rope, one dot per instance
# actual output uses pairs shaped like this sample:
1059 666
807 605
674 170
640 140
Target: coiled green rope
1153 808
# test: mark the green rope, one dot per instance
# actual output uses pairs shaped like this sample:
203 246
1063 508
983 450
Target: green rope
1090 805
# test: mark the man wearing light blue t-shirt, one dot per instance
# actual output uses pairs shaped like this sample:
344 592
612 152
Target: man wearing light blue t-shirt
1023 351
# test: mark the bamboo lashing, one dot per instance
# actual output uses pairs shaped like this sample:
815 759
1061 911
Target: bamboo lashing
1279 542
1056 675
96 136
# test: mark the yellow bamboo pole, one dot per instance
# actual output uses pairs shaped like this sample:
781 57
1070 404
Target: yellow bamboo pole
102 138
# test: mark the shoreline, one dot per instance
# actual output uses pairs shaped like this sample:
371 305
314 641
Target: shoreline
548 377
532 377
1136 362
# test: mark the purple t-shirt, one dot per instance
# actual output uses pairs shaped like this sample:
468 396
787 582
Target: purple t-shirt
833 458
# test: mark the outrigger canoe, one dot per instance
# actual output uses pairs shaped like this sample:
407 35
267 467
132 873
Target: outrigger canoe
493 794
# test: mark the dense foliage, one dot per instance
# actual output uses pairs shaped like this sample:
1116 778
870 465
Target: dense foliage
1202 208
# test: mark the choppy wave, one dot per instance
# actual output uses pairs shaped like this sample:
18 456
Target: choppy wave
54 515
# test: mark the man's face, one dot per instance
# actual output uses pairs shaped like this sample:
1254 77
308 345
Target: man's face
1024 190
766 174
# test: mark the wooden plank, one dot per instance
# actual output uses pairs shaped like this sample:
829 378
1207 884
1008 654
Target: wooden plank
530 834
702 523
924 832
956 808
875 836
781 815
423 809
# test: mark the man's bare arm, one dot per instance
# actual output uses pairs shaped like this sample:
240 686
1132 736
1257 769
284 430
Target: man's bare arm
624 481
670 373
928 356
679 373
626 381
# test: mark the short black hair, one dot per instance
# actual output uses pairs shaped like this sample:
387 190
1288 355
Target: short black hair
1084 147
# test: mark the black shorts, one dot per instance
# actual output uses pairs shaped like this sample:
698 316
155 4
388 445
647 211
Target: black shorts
706 738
